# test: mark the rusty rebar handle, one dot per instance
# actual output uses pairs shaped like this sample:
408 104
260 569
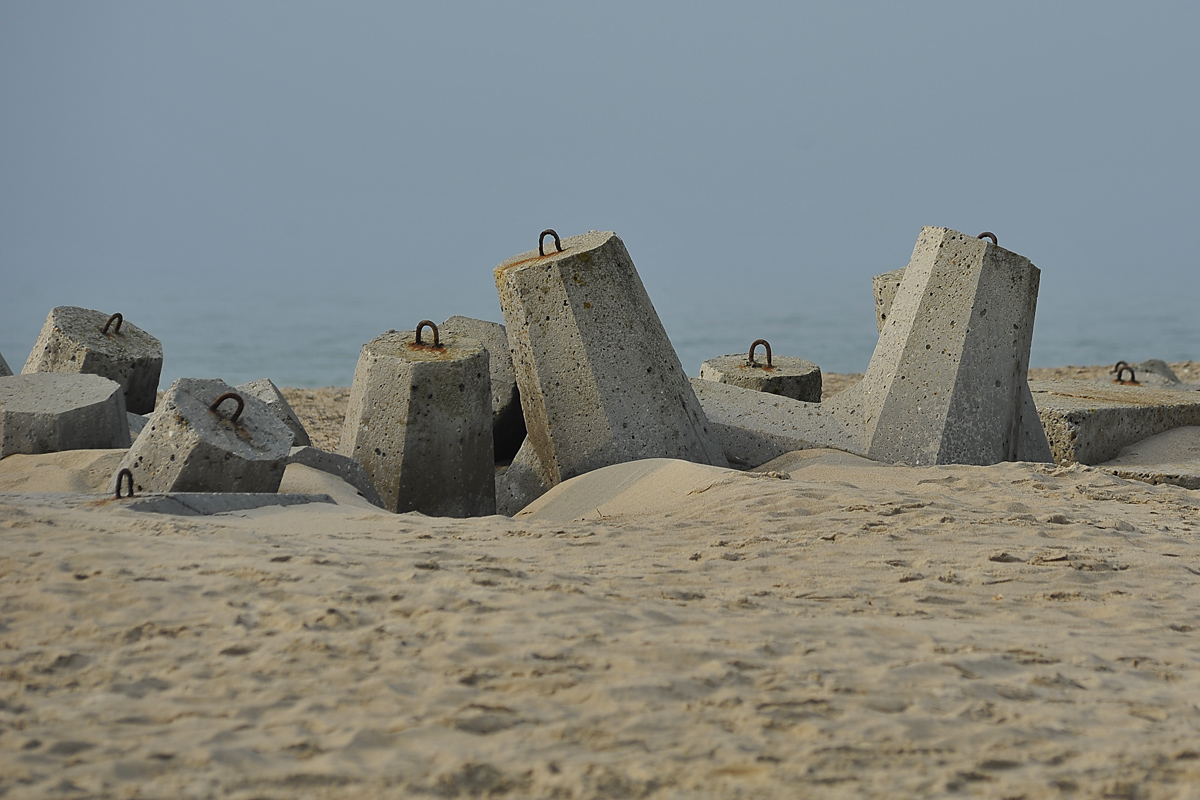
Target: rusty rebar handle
989 235
766 346
542 241
117 329
1132 375
1116 370
437 342
124 473
229 396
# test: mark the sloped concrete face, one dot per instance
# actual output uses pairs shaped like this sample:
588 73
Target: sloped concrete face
339 465
787 376
885 287
600 382
186 446
419 420
508 421
264 389
49 413
73 340
4 370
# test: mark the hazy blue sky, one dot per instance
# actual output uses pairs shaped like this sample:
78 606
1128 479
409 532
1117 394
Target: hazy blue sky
304 176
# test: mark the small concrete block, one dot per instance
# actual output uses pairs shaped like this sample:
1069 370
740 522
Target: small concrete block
4 369
1090 422
72 340
1169 457
885 286
269 393
787 376
188 447
419 420
520 483
600 382
337 464
136 423
508 422
49 412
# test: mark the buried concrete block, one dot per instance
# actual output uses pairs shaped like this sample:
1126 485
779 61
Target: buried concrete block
521 482
264 389
600 382
205 437
340 466
783 375
419 420
81 340
51 412
508 422
1169 457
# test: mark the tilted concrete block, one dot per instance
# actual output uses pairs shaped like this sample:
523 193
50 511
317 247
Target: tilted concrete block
51 412
521 482
783 375
269 393
4 370
600 382
419 420
508 422
136 423
344 467
81 340
190 446
885 286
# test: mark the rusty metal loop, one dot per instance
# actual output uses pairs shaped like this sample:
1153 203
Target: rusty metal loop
124 473
1116 370
424 324
542 241
230 396
1132 376
989 235
117 329
766 346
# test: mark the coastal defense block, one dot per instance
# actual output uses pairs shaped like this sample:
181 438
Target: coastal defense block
82 340
206 437
264 389
337 464
782 375
4 370
600 382
419 420
885 287
52 412
508 422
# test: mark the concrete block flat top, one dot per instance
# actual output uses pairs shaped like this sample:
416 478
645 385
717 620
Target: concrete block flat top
1169 457
785 375
52 392
1085 396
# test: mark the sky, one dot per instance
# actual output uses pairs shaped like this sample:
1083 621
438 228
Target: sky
267 185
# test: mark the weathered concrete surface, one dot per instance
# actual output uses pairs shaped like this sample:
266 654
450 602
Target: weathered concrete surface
136 423
508 421
72 341
787 376
49 412
301 479
1090 422
64 471
344 467
4 368
419 420
187 447
600 382
521 482
264 389
885 287
1169 457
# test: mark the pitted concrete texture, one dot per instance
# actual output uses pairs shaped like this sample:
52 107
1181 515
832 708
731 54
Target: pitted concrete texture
1090 422
4 369
188 447
947 381
600 382
787 376
71 341
136 423
419 420
508 422
50 412
269 393
885 286
521 482
1169 457
337 464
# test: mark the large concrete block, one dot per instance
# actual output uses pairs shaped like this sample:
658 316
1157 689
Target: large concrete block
521 482
419 420
508 422
600 382
344 467
188 445
50 412
269 393
4 370
783 375
885 286
81 340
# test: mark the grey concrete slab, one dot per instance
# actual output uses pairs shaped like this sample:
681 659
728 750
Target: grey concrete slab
1169 457
419 420
50 412
264 389
600 382
786 375
344 467
508 421
187 446
82 340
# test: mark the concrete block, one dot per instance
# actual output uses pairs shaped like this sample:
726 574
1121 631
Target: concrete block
269 393
521 482
1090 422
136 423
4 369
339 465
600 382
508 422
885 286
49 412
783 375
187 446
206 504
81 340
419 420
1169 457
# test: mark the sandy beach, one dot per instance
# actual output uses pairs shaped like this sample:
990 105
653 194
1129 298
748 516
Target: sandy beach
825 627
